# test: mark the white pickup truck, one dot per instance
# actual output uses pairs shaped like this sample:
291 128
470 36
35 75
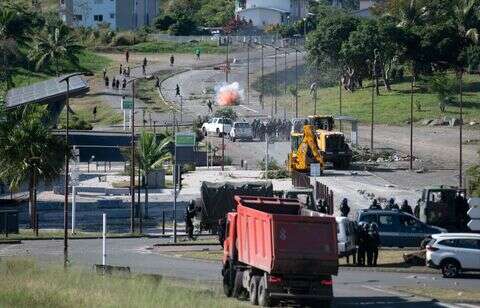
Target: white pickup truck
218 126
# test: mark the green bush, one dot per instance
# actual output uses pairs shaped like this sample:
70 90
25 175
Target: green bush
473 174
227 112
445 89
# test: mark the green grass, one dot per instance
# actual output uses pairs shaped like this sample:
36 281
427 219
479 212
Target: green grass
176 48
83 108
24 284
390 107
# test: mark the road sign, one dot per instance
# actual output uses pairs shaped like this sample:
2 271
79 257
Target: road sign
127 104
315 170
474 214
184 139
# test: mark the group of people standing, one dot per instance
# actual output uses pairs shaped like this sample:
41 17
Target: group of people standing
274 128
368 241
391 205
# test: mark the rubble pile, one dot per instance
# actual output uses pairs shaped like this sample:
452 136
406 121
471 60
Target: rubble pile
365 155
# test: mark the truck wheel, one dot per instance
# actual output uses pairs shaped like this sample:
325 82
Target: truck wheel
264 299
254 290
238 289
227 282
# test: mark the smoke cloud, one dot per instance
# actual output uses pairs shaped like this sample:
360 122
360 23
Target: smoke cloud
229 94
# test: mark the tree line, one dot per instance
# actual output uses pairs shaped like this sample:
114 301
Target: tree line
419 36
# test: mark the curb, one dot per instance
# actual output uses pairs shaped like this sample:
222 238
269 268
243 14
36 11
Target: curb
387 270
185 244
10 242
54 238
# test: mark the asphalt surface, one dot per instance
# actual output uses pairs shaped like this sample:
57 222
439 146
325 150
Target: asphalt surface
351 287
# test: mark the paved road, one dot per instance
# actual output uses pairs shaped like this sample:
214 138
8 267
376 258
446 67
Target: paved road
352 287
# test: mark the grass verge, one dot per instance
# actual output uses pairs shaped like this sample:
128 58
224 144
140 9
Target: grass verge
27 234
176 48
392 108
26 285
443 294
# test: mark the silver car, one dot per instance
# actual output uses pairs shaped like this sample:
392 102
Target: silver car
241 131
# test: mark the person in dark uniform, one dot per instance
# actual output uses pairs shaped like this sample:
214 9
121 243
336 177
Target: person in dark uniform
177 90
172 60
209 105
361 241
94 113
107 81
222 230
391 205
373 242
344 208
406 208
375 205
189 214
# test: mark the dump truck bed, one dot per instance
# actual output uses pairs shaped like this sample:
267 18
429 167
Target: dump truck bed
275 237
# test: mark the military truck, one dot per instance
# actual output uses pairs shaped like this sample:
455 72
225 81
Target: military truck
443 206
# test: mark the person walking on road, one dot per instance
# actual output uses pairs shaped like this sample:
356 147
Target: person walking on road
209 104
362 234
172 60
95 113
104 72
406 208
344 208
157 82
127 55
117 85
177 90
124 84
107 81
189 214
121 69
197 53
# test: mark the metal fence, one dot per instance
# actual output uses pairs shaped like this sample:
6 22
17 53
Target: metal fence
300 179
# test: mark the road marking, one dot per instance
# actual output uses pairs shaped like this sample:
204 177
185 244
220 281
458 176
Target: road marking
386 291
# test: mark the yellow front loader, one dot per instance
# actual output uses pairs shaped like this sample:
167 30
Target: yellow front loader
304 151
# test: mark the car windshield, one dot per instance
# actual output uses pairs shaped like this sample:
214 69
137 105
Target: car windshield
225 121
242 125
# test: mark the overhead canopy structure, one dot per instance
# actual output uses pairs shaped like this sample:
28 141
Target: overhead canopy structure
46 92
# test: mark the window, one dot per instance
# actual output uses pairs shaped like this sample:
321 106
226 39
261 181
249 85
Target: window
112 15
78 17
386 220
368 218
408 221
467 243
98 17
448 243
98 1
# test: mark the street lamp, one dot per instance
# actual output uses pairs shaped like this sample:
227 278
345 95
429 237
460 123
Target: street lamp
66 79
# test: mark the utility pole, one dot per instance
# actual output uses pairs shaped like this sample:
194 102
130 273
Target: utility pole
372 111
67 159
248 70
340 100
296 83
263 80
276 81
227 65
460 161
411 123
266 156
223 144
285 74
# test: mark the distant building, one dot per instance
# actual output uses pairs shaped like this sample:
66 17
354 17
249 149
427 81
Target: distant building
365 9
119 14
263 13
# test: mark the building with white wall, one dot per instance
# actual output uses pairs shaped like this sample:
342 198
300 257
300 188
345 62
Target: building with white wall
262 13
119 14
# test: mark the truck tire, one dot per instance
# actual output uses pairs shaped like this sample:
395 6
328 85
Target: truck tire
238 289
254 281
264 299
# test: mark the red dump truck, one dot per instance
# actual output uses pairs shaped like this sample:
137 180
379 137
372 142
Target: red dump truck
276 250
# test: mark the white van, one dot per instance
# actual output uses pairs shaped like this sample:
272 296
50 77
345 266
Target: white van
346 237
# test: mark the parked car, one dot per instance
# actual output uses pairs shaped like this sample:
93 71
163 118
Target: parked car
218 126
346 237
398 229
241 131
454 253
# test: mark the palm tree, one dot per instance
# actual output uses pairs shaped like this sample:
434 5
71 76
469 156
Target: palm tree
152 153
411 16
28 150
53 45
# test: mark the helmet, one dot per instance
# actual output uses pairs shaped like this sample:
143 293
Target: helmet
344 201
405 202
391 201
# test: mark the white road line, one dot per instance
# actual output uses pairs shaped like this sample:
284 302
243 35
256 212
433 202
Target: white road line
250 109
385 291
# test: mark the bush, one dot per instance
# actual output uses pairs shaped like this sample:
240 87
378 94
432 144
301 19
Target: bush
75 123
124 39
445 88
163 22
228 113
473 174
188 168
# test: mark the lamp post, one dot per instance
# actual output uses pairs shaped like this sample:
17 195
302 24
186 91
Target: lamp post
66 79
227 65
248 70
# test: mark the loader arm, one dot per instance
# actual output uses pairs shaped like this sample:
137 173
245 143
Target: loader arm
301 161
